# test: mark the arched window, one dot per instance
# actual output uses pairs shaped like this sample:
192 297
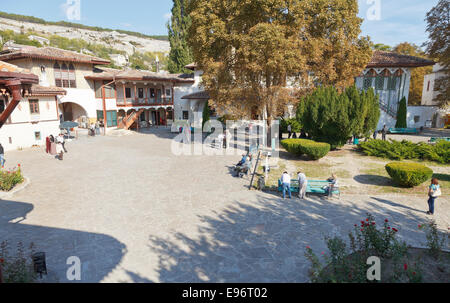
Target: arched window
72 76
58 76
65 75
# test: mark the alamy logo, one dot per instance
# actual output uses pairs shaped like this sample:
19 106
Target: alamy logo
73 9
374 271
374 11
74 271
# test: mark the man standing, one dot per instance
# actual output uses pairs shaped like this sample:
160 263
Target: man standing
375 133
61 141
302 184
384 132
289 129
2 156
286 182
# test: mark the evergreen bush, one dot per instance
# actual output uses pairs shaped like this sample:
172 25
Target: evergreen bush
408 174
407 150
401 114
333 117
314 150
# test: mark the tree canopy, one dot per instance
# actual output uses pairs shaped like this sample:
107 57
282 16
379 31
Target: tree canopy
438 46
333 117
180 53
258 53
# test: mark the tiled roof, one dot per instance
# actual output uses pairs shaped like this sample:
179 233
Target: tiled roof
37 90
191 66
198 95
10 71
102 73
390 59
49 53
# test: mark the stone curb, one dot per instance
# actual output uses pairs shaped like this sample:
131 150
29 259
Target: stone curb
18 188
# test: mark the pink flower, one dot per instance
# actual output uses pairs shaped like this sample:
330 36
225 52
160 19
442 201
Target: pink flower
323 253
405 266
386 220
395 230
307 247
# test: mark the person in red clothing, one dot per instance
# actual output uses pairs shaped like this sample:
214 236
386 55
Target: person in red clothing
47 145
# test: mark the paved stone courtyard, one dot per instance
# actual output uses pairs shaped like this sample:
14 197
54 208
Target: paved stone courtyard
134 212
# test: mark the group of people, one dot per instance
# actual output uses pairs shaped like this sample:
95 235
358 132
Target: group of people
94 129
56 146
383 131
333 184
244 165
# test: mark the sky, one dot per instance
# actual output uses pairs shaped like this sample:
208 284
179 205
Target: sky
385 21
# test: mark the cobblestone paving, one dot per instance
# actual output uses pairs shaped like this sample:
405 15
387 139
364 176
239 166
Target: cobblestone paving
134 212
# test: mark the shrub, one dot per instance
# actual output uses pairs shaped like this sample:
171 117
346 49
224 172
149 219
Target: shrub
328 115
401 114
343 265
9 179
408 174
435 242
314 150
295 125
16 268
401 150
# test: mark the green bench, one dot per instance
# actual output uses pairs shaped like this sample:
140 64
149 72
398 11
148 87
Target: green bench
434 140
313 187
403 131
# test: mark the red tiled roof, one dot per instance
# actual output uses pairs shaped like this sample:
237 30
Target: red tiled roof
390 59
102 73
201 95
10 71
50 53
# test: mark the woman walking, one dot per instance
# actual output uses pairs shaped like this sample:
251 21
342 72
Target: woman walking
434 191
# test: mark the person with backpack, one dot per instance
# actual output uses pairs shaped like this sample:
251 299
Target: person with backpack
434 191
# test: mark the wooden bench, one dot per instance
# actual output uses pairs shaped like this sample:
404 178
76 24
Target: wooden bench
313 187
403 131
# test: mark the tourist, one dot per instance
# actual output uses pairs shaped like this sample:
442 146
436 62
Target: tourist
102 126
228 138
434 191
60 146
289 129
384 132
302 184
286 183
375 134
97 128
334 184
62 141
244 158
2 156
47 145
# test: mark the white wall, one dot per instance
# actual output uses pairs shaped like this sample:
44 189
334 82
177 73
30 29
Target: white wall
84 98
425 113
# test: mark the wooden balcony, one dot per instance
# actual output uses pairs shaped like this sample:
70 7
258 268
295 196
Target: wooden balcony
144 101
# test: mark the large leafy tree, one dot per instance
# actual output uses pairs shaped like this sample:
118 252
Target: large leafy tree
417 74
256 54
438 46
180 53
333 117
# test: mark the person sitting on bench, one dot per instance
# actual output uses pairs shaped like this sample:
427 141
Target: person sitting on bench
334 184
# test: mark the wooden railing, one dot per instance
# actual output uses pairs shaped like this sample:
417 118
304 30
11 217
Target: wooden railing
144 102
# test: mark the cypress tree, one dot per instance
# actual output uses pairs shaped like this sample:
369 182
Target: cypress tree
180 53
401 114
206 114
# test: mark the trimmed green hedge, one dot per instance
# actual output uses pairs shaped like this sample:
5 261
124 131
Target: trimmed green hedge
409 174
406 150
314 150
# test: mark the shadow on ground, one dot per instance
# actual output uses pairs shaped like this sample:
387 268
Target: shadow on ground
99 254
265 241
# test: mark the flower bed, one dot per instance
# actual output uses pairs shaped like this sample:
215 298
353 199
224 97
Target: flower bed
398 262
10 178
